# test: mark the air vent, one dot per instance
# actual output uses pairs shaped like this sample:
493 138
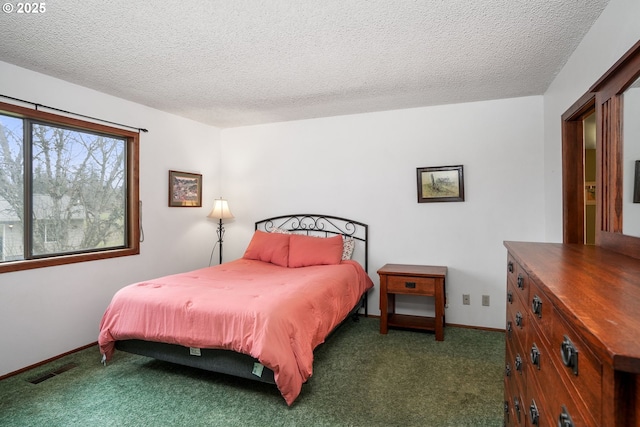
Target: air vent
52 374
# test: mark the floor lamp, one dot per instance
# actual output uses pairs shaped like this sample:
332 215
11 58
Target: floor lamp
220 211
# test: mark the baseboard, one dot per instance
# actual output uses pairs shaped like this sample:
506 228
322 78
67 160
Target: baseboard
454 325
35 365
479 328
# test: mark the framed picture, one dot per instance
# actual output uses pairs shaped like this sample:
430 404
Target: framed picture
590 192
185 189
636 184
440 184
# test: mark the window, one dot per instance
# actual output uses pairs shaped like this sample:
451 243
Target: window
68 190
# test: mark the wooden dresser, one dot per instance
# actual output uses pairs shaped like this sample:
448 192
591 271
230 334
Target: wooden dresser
572 336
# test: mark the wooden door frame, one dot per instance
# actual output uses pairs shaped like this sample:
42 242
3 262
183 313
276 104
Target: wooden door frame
573 168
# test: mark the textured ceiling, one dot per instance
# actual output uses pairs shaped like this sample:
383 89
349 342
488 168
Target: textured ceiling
239 62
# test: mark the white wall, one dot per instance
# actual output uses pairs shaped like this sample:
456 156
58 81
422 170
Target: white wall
363 167
614 33
49 311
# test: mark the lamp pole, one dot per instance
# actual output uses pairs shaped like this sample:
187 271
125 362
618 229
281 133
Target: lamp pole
220 233
220 211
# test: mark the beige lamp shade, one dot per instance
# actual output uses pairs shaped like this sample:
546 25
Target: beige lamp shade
220 210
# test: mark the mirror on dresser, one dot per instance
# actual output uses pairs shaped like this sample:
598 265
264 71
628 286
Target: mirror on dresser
617 103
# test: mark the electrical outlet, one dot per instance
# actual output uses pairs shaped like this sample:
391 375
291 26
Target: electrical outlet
485 300
466 299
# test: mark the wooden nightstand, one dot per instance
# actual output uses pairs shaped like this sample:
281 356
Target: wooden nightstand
421 280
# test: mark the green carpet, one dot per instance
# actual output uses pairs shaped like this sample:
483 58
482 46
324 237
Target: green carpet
361 378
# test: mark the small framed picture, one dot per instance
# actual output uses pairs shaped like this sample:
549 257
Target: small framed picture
590 192
440 184
185 189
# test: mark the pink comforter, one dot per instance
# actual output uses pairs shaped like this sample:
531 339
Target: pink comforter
275 314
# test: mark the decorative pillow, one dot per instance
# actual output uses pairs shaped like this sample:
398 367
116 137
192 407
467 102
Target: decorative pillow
308 250
348 245
278 230
269 247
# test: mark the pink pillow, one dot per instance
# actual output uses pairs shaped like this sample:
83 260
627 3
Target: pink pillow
269 247
308 250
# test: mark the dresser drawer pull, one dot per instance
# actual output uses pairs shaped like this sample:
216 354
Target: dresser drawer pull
534 414
518 363
536 306
410 285
510 267
569 355
564 419
507 370
520 281
510 297
516 406
509 329
519 320
535 355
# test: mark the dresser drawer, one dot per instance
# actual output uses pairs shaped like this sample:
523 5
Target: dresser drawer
554 398
580 369
512 269
516 415
517 322
515 367
539 412
411 285
538 368
544 394
512 388
518 278
540 311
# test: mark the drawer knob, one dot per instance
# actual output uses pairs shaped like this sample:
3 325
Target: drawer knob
518 363
509 329
569 355
564 419
510 267
519 320
516 406
534 415
410 285
520 281
535 355
510 297
536 306
507 370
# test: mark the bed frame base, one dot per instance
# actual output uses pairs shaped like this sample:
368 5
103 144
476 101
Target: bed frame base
210 359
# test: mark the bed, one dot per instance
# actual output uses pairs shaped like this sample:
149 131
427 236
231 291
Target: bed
258 317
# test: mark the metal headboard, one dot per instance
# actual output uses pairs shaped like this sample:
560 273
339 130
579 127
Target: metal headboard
327 225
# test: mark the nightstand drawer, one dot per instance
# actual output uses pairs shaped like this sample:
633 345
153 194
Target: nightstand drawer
411 285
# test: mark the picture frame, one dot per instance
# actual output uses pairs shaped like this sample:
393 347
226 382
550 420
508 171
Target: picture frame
590 193
185 189
636 184
440 184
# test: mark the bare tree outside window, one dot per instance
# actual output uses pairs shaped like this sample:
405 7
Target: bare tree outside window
11 188
76 184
